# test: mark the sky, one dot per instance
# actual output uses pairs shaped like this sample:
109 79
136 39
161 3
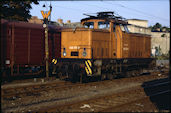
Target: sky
152 10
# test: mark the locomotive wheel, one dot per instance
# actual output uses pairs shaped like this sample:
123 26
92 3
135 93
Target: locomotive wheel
75 77
128 74
71 77
60 76
141 71
136 73
83 78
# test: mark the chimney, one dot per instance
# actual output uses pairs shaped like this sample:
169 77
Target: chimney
60 21
68 21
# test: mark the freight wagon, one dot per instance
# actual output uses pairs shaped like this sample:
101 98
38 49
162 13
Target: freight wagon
23 48
103 48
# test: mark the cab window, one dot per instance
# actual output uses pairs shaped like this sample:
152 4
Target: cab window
124 28
103 25
89 25
114 27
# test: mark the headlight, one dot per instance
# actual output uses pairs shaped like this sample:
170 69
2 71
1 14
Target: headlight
64 52
84 52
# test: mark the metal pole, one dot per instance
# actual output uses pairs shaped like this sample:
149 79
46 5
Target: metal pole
46 51
45 25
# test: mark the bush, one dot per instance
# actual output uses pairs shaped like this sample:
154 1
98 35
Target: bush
163 57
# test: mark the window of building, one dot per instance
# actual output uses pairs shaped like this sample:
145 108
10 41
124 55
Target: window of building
141 29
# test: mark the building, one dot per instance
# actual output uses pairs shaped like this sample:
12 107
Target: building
138 22
161 41
35 20
138 26
68 24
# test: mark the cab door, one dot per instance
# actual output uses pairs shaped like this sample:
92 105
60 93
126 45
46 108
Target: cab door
116 36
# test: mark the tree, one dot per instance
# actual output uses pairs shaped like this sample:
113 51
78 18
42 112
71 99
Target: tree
156 27
159 27
164 28
16 10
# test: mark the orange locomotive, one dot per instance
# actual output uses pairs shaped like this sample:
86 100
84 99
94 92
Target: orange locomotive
104 48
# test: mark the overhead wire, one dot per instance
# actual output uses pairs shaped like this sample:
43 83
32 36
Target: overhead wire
78 10
115 12
46 5
135 10
65 7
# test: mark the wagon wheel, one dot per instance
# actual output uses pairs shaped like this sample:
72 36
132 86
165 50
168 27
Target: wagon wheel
103 76
114 75
60 75
109 76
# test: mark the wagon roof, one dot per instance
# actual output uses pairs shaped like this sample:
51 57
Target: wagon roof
30 25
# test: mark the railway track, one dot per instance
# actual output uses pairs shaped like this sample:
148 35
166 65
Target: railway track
37 89
139 104
116 101
34 88
25 90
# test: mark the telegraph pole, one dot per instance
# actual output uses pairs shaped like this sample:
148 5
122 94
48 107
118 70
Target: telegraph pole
45 25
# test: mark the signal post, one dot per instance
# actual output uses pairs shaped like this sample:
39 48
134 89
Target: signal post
45 25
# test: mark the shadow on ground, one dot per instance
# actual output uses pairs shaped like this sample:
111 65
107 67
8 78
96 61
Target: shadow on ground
161 100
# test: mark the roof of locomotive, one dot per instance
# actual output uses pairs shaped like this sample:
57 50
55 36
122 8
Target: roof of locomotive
108 16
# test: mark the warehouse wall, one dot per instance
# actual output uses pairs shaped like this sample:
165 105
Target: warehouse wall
162 42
